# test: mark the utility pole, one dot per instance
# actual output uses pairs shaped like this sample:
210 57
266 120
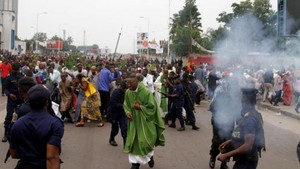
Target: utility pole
117 44
190 25
84 43
169 29
37 29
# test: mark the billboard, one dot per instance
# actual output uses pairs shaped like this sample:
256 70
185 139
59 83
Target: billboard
56 45
142 40
288 17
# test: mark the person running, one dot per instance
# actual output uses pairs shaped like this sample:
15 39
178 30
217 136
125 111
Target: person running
91 103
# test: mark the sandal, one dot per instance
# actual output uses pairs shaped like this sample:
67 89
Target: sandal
100 125
79 124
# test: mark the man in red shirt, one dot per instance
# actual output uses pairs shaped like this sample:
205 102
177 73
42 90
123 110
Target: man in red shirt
5 69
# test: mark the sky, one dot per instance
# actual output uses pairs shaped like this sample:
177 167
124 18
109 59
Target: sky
103 20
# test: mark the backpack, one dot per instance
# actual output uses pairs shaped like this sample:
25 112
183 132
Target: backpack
260 141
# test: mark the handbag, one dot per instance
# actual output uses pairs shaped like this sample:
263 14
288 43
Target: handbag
90 90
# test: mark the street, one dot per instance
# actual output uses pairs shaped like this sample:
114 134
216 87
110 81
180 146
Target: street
88 147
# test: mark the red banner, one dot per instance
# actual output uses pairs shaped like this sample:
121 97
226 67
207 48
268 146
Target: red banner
55 44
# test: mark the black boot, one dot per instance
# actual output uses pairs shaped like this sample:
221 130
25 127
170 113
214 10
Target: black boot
135 166
172 125
195 127
4 139
151 162
113 143
212 162
224 165
182 128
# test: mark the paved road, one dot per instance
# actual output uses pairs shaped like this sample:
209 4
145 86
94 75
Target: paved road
88 147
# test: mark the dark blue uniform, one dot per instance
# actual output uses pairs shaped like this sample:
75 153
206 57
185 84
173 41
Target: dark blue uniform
116 114
31 134
177 105
188 104
21 110
247 125
11 87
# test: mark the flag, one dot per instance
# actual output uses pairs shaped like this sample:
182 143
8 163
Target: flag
196 44
159 49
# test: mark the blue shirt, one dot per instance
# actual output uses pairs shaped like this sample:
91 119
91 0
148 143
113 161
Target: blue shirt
179 91
31 134
105 78
11 84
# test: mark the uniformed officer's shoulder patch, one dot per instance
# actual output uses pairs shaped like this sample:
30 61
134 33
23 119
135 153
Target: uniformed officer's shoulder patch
247 114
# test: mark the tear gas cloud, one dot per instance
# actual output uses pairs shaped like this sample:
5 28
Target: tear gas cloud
246 44
246 47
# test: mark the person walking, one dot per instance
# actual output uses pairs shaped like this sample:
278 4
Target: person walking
145 127
13 96
277 88
5 68
116 114
243 146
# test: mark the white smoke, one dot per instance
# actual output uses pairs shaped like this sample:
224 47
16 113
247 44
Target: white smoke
246 49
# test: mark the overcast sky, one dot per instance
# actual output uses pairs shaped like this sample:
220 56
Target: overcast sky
103 19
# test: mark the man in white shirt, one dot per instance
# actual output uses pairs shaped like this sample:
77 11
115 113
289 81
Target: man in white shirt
148 80
55 78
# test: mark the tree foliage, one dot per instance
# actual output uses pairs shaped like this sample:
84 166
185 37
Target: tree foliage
186 24
41 37
261 9
67 44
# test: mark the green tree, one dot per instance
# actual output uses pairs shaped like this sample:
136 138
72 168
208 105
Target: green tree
67 44
238 10
55 37
186 24
261 9
41 37
215 35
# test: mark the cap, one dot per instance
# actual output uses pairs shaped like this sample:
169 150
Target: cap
249 95
38 94
139 68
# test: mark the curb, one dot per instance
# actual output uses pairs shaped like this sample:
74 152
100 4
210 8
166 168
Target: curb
278 110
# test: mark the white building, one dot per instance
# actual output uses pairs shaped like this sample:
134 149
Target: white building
8 27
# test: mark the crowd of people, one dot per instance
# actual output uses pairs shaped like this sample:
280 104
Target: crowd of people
140 97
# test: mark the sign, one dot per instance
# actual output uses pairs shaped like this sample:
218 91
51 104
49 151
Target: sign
142 40
55 45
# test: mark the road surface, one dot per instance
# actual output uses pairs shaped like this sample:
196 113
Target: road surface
88 148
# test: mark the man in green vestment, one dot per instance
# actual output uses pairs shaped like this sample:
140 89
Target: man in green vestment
145 127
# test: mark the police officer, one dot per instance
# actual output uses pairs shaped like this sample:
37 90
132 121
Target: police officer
116 114
13 97
24 84
242 143
188 102
36 137
222 121
178 103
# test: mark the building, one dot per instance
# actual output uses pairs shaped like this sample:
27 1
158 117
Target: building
9 27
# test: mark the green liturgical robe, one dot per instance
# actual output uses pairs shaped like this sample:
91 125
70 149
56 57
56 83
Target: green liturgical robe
145 130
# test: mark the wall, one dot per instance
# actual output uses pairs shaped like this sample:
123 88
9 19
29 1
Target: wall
8 18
